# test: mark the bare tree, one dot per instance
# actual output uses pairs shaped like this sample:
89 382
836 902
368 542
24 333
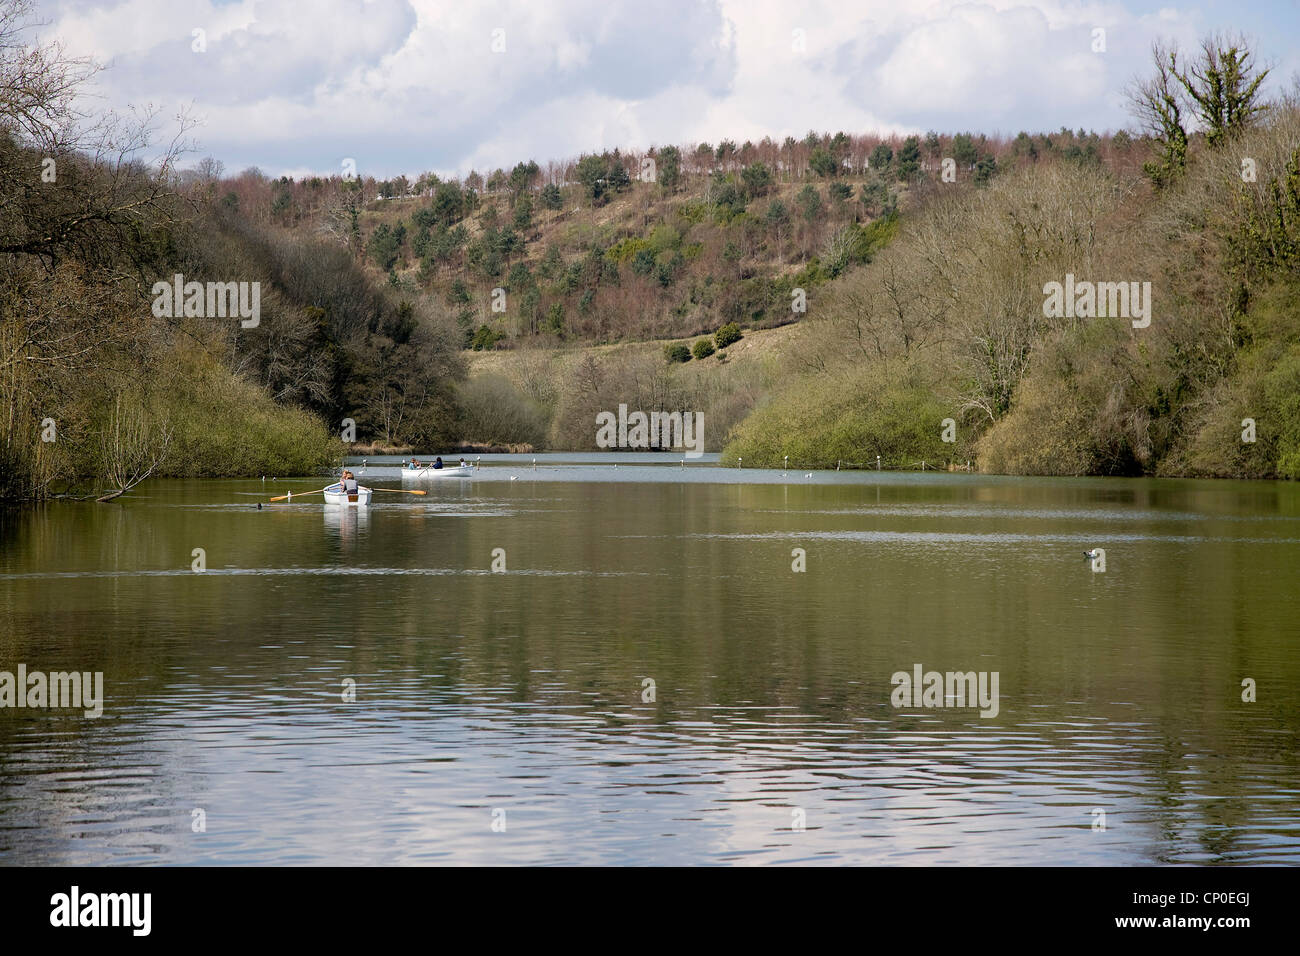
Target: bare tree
133 444
76 201
39 85
1157 104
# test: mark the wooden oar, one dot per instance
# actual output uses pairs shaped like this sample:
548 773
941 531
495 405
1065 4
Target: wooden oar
400 491
290 494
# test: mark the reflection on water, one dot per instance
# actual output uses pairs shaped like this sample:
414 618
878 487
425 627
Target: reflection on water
351 685
345 524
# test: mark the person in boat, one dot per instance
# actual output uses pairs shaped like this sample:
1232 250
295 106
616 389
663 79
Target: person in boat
462 463
414 465
437 463
349 483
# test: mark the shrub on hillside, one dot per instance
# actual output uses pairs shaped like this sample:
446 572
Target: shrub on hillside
677 352
486 338
727 335
702 349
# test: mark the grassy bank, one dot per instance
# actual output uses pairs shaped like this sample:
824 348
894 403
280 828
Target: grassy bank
549 398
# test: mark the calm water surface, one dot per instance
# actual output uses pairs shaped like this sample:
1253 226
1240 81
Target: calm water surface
524 692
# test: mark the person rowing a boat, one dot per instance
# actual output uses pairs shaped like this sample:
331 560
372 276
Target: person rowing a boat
348 483
437 462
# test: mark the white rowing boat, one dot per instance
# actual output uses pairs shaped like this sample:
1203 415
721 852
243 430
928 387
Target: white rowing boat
446 471
334 495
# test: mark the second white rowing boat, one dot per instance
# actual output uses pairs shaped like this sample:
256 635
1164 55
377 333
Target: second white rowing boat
444 472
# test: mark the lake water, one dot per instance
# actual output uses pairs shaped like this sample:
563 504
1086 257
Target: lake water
505 716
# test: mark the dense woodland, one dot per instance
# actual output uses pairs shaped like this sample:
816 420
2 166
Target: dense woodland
912 288
948 322
616 246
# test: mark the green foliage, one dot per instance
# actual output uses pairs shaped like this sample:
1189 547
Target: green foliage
643 261
222 426
618 177
625 249
693 212
677 352
821 162
964 151
551 197
555 319
282 203
809 202
777 214
1225 88
485 337
875 235
1268 235
1281 401
666 270
850 419
664 238
874 195
728 200
523 218
1221 85
757 179
592 172
727 335
1023 145
1264 387
909 159
882 157
385 246
702 349
520 278
449 203
458 292
668 168
522 177
552 263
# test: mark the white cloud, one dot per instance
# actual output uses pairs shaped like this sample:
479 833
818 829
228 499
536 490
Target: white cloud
404 88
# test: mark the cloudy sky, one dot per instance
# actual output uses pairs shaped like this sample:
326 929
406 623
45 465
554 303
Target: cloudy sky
297 86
